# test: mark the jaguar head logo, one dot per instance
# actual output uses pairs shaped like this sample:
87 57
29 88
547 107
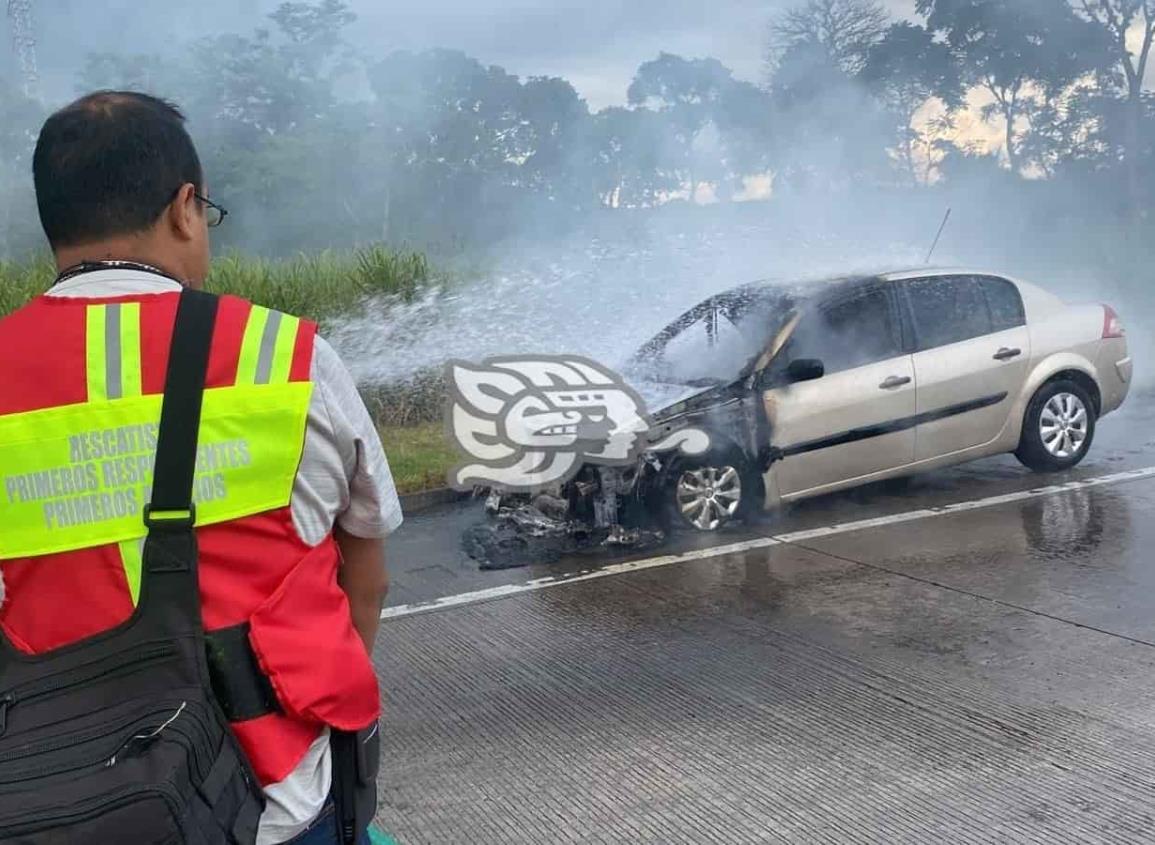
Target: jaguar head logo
529 423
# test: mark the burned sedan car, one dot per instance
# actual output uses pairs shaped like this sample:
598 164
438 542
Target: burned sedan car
810 389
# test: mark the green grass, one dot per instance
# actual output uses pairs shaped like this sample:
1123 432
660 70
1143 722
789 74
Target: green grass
320 287
323 286
20 281
420 457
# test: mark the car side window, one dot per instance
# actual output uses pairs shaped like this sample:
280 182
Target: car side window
948 310
1005 302
849 333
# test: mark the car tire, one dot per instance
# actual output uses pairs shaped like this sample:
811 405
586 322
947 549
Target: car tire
1058 428
705 494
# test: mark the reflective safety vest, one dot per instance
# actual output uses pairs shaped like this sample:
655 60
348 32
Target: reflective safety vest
80 393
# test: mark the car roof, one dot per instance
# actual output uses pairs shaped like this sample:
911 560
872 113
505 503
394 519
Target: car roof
1038 301
832 285
923 272
801 289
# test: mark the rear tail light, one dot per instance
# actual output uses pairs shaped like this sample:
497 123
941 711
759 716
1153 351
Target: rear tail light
1112 325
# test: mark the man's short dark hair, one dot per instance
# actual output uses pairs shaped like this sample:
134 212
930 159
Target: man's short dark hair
109 164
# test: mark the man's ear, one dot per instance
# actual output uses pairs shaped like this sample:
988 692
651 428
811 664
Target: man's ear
183 213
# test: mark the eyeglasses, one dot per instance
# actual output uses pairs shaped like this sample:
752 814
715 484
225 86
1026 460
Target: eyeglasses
214 214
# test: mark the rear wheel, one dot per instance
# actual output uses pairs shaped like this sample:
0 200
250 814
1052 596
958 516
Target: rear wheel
708 494
1058 429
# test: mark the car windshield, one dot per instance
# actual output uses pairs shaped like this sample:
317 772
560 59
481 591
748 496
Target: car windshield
715 342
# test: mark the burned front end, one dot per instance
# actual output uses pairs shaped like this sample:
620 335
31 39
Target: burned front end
699 376
620 506
628 501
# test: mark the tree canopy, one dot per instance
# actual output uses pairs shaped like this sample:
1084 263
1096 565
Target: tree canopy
314 145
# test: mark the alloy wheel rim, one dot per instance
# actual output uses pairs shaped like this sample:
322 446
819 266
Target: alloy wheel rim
709 497
1064 425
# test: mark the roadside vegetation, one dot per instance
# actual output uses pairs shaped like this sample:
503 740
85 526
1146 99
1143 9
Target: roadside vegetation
1031 121
420 456
20 281
410 418
439 147
325 285
322 287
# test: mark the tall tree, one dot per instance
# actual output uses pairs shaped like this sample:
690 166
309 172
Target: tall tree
1128 22
687 93
744 119
463 139
631 158
550 121
713 118
905 70
845 29
829 131
283 77
1021 52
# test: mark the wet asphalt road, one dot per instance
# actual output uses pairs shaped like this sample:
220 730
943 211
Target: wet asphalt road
977 676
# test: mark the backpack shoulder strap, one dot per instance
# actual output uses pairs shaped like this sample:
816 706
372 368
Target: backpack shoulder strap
180 414
170 548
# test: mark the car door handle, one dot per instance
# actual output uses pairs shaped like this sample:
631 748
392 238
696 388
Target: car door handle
895 381
1006 354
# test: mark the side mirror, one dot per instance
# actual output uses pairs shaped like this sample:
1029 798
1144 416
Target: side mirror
805 369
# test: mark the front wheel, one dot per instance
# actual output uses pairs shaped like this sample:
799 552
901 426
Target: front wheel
708 494
1058 429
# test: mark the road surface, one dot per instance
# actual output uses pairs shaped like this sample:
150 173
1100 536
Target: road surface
966 658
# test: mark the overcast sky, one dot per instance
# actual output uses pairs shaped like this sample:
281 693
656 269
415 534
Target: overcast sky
596 44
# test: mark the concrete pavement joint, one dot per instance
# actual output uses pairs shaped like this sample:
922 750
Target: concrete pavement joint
797 538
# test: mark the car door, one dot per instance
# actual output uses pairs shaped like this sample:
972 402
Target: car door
972 353
857 419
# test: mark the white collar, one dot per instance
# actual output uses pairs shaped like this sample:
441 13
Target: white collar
115 281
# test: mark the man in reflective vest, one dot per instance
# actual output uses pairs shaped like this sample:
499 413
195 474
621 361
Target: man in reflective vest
293 492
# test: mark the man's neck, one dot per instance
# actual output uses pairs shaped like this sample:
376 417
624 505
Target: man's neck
86 267
68 258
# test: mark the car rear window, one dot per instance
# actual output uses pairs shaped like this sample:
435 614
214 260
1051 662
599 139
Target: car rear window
1005 302
948 310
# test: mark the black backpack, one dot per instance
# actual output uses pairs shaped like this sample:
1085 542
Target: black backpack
119 738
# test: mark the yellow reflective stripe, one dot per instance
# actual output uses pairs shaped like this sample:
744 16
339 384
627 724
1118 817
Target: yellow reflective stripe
283 349
130 349
132 559
251 345
95 353
112 351
122 353
131 551
267 347
78 476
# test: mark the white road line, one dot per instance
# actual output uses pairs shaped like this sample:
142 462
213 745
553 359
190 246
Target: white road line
492 593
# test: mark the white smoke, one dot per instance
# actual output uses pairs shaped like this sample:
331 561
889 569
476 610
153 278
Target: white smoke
600 297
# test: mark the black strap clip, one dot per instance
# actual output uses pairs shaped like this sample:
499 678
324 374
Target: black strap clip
170 520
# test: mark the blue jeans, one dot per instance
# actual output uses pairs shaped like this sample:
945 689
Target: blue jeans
323 830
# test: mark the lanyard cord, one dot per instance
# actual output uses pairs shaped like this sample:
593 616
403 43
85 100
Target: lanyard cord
96 266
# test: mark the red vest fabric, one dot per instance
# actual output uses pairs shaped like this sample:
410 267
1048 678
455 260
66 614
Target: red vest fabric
256 570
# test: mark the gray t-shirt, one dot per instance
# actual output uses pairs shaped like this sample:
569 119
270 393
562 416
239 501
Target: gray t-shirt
343 479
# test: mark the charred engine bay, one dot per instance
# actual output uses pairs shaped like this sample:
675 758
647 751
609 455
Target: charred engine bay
521 530
617 507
